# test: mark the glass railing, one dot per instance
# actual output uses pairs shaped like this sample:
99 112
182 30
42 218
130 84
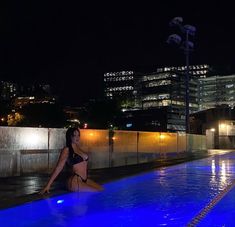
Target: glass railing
28 150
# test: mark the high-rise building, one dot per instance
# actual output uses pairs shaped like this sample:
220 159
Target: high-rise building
164 90
216 91
8 90
121 86
167 89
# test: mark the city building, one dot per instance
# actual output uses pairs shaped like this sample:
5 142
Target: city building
19 95
75 116
8 90
167 89
161 93
216 91
218 124
123 86
14 96
19 102
119 84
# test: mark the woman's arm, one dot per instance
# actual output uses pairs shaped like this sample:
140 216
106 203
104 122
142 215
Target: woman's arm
59 166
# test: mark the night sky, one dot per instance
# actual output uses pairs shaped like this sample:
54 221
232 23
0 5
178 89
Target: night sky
71 45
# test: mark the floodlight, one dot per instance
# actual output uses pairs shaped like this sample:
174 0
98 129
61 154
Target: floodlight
190 29
174 38
188 44
176 21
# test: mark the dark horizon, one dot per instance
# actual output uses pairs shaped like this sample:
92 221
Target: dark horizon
71 45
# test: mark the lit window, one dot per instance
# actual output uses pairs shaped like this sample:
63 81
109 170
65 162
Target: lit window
229 85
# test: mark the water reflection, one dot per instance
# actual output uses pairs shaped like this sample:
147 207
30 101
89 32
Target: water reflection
213 168
223 177
219 174
213 182
221 170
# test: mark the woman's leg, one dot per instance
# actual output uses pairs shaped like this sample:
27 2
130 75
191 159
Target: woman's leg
94 185
89 186
73 183
76 183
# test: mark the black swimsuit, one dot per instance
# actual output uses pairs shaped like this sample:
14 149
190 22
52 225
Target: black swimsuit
75 158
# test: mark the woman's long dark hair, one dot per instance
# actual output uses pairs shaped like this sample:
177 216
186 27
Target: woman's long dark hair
70 134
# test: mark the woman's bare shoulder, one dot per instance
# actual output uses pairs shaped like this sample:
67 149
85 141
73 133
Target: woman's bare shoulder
64 154
65 150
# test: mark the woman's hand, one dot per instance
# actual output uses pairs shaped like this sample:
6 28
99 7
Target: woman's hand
45 190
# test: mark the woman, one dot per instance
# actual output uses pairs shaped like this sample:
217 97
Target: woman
78 160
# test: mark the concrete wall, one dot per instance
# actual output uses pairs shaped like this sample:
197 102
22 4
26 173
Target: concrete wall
36 150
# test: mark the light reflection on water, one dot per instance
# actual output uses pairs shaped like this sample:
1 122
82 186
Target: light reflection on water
223 172
169 196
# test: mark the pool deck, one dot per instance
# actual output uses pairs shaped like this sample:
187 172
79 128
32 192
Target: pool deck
22 189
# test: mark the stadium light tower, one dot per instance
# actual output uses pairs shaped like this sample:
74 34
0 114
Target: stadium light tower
187 46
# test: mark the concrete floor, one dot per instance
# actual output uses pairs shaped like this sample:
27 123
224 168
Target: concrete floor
21 189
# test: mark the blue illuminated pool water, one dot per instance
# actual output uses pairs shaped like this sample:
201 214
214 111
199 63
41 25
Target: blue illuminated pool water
170 196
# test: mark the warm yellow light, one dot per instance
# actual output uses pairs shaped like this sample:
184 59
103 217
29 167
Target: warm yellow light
2 119
162 136
223 126
114 138
212 129
91 134
75 120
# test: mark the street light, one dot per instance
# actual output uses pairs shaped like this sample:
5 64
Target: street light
187 46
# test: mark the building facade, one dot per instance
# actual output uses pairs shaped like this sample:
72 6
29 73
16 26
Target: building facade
164 90
8 90
216 91
167 89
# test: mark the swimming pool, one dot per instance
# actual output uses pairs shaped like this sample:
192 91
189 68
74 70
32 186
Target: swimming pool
170 196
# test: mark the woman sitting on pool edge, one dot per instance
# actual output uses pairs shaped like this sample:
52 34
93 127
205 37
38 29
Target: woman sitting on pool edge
78 160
